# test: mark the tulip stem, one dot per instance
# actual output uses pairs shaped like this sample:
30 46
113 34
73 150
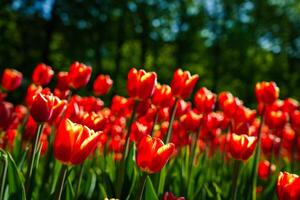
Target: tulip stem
61 182
154 122
169 131
79 181
235 176
256 157
3 174
32 163
142 183
125 154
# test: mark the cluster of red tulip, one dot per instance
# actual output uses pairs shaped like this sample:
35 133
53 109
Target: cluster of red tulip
155 139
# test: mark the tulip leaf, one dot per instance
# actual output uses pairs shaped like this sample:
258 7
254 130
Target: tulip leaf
150 193
92 184
15 179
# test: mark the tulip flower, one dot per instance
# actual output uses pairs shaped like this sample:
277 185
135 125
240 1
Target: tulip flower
288 186
295 119
11 79
264 169
62 81
162 96
152 154
183 83
6 114
171 196
102 85
73 142
266 92
42 74
205 100
79 75
42 107
290 105
191 121
241 147
140 84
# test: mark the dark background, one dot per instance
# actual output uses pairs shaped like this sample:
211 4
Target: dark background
231 44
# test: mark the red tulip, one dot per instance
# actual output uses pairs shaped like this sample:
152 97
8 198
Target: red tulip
183 83
288 186
79 75
264 169
42 107
6 114
138 131
152 154
42 74
59 106
276 119
121 106
32 90
290 105
140 84
73 142
191 121
11 79
162 96
241 147
62 81
95 121
266 92
295 119
205 100
171 196
102 85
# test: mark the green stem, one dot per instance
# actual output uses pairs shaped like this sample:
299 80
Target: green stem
125 154
235 176
3 175
256 157
154 122
140 192
61 182
169 131
79 181
32 163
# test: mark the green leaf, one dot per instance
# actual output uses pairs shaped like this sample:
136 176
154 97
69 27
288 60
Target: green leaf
16 188
149 190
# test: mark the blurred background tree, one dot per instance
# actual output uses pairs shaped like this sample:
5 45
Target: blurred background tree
231 44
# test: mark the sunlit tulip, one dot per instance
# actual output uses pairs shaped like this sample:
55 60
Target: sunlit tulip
241 147
288 186
162 96
140 84
266 92
183 83
79 75
152 154
42 74
102 85
73 142
11 79
205 100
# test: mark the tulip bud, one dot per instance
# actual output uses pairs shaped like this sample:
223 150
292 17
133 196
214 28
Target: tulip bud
183 83
140 84
11 79
79 75
102 85
42 107
205 100
42 74
266 92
